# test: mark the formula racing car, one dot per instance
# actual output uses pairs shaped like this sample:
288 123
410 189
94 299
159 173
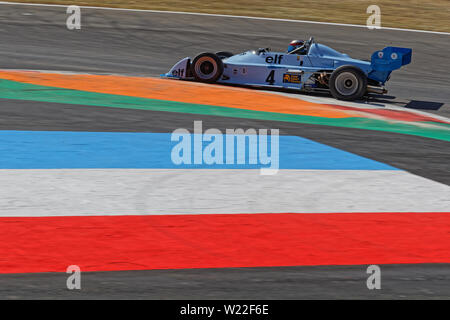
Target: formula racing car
307 66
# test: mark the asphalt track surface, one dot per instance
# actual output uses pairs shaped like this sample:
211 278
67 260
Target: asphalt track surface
139 43
422 156
143 43
428 281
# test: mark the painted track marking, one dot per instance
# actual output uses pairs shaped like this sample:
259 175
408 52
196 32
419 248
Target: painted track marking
227 16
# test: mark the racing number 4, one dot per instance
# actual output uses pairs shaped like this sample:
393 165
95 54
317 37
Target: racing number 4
271 77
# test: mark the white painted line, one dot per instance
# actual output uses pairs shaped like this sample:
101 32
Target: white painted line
79 192
225 16
362 105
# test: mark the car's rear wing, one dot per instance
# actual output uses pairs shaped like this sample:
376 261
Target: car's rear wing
387 60
391 58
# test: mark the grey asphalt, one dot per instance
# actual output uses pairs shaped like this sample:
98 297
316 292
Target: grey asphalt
143 43
148 44
429 281
426 157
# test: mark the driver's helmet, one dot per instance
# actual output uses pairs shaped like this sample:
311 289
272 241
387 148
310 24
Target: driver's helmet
295 44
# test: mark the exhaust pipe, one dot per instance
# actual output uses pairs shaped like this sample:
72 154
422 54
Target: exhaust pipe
379 90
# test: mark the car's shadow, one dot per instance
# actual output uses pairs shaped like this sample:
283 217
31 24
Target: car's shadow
411 104
424 105
382 100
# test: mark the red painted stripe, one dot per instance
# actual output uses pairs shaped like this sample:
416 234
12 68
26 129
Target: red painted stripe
209 241
393 114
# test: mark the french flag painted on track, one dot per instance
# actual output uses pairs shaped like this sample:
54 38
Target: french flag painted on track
116 201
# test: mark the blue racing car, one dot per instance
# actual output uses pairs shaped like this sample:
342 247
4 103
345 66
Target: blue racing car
307 66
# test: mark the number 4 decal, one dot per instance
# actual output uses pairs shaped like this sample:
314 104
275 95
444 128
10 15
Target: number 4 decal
271 77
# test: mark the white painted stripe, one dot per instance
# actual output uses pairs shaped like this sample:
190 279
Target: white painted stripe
156 192
225 16
362 105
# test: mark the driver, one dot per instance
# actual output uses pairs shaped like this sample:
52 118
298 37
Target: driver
295 44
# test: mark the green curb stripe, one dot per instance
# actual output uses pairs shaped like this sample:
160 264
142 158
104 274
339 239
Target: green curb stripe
24 91
442 124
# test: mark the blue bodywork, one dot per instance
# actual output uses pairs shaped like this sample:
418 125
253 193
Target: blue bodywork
300 71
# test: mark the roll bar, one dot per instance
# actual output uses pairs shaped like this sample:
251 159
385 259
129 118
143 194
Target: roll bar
306 46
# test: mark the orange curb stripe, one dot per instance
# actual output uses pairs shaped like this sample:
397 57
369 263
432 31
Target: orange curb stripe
181 91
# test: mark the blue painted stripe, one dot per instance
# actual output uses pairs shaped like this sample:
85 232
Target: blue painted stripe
71 150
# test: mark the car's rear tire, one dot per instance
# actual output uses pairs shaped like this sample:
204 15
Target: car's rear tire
224 54
207 67
348 83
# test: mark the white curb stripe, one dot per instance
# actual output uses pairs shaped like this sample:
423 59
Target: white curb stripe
80 192
225 16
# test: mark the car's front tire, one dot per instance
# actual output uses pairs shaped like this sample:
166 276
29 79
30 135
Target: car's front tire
207 67
348 83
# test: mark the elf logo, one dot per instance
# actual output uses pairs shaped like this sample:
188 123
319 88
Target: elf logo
276 60
178 73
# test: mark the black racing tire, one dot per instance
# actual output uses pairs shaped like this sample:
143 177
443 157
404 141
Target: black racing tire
224 54
348 83
207 67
